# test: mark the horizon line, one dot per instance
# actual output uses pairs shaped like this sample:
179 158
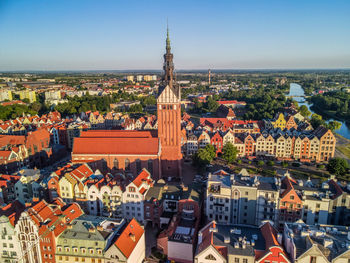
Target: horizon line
161 70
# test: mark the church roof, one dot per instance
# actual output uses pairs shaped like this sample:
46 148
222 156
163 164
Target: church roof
111 145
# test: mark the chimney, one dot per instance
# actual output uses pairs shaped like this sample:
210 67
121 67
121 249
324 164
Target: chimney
92 230
132 237
100 228
69 226
328 243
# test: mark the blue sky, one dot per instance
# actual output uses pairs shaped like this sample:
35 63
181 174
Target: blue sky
129 34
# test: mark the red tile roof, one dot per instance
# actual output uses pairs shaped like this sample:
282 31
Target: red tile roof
129 238
143 176
12 211
117 134
134 146
270 235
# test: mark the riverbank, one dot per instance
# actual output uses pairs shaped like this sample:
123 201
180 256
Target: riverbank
326 114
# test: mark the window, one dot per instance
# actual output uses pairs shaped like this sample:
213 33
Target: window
116 163
138 165
292 197
312 259
245 260
150 166
236 260
127 164
210 257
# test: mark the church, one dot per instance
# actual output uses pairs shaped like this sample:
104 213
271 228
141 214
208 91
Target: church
157 151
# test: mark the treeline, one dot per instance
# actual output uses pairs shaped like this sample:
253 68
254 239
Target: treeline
102 103
333 104
17 110
262 103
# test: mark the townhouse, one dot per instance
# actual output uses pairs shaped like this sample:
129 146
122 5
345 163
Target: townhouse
317 243
251 199
240 244
134 196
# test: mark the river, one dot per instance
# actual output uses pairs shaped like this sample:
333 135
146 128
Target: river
298 94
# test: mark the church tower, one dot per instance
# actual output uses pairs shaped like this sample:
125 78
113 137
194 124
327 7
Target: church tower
169 117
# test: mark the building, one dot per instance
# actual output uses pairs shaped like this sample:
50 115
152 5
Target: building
179 239
5 95
9 243
290 203
27 94
81 241
169 117
128 151
131 151
228 243
130 78
129 245
134 196
52 95
38 227
28 187
317 243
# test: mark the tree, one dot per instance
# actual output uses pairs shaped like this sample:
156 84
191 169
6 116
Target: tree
261 163
229 152
204 156
338 166
270 163
212 105
304 111
211 150
284 164
316 120
333 125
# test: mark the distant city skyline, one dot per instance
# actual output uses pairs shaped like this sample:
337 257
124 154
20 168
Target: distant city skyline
130 35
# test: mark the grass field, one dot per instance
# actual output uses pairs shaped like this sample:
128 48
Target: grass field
345 150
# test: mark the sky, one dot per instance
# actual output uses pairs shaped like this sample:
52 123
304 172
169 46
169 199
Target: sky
216 34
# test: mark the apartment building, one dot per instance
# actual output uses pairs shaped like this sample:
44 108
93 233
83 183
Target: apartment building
134 196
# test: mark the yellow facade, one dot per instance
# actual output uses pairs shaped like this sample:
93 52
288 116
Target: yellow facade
27 94
280 122
6 95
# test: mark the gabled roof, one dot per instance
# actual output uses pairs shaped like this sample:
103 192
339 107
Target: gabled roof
144 176
12 211
129 238
103 145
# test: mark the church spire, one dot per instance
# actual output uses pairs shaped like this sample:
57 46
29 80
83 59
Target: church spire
167 38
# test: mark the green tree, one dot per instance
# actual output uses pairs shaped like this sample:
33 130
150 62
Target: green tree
211 150
304 111
261 163
333 125
211 104
316 120
284 164
229 152
270 163
338 166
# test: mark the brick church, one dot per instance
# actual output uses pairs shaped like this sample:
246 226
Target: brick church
158 152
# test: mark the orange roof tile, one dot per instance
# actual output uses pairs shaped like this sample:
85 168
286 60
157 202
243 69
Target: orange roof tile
133 146
129 238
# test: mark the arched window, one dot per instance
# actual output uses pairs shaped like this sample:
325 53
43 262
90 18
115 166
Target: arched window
150 166
116 164
127 164
104 164
138 165
210 257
